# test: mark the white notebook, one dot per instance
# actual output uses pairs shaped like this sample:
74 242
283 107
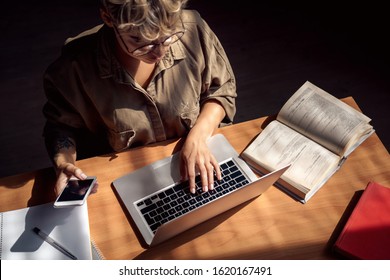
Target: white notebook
69 227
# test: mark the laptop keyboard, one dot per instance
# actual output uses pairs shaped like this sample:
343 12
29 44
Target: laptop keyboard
177 200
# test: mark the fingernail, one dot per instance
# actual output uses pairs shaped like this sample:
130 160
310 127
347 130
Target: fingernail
211 186
83 176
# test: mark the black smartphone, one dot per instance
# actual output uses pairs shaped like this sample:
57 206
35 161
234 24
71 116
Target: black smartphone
76 192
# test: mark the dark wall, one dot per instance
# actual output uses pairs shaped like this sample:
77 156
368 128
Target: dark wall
274 47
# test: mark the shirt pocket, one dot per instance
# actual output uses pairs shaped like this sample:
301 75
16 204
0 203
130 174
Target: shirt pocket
121 140
189 115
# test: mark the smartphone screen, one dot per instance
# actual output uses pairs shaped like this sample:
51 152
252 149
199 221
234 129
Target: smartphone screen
75 192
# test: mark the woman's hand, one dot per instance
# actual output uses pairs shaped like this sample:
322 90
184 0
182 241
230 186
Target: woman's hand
195 156
63 152
65 172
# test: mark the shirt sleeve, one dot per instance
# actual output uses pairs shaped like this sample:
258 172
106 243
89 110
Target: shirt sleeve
219 82
62 120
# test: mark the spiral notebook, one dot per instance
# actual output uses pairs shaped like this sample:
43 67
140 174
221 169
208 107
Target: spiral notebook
69 227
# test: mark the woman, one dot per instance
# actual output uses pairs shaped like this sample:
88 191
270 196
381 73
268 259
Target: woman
153 71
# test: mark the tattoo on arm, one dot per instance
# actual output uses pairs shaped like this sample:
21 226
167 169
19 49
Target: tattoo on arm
63 143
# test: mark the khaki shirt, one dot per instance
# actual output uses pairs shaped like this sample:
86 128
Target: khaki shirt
87 88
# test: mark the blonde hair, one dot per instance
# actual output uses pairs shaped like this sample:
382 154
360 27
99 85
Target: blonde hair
150 18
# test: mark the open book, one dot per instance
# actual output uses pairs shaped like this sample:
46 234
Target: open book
314 132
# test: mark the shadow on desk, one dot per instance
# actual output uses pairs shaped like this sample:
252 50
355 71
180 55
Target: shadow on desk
270 253
42 190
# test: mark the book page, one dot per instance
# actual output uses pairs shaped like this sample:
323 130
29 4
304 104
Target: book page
67 226
278 145
325 119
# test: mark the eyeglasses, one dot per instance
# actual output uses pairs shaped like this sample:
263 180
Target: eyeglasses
145 49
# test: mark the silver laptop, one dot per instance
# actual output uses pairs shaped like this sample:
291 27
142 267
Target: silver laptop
161 206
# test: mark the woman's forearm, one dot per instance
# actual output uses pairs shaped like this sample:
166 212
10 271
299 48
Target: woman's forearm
211 115
63 151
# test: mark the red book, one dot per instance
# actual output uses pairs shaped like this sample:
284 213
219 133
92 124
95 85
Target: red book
366 234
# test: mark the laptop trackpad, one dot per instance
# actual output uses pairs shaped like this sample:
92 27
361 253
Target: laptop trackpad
168 173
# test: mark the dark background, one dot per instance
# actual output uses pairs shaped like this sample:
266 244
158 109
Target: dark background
273 48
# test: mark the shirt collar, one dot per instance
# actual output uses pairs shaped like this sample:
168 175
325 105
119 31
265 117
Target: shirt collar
175 52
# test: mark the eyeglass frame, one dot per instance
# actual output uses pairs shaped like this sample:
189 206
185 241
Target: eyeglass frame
152 46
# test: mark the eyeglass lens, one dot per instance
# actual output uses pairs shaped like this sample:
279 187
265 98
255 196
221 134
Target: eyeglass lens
168 41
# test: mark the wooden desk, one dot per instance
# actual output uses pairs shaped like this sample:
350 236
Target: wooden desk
273 226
